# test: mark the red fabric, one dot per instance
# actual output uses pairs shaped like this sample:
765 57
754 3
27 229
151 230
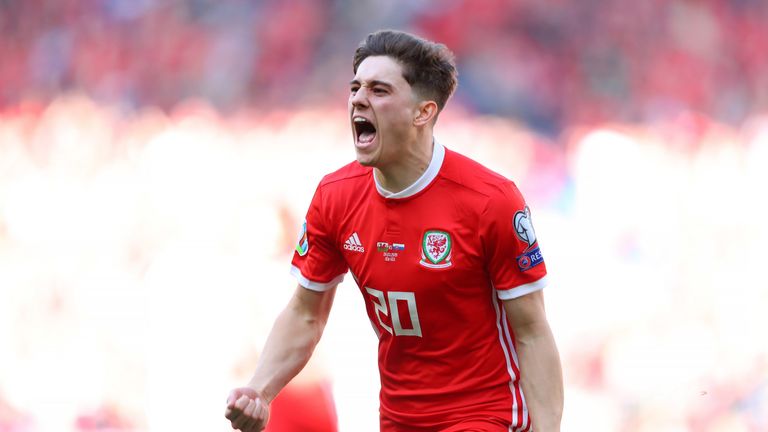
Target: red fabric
446 352
303 408
464 426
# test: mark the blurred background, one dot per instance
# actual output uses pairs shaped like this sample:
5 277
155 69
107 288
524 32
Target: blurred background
158 156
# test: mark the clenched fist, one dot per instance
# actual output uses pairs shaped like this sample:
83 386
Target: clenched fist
246 410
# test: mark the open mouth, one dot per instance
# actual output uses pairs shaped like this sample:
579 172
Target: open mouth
364 129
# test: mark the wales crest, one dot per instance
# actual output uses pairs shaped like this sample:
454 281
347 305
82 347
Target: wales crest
436 249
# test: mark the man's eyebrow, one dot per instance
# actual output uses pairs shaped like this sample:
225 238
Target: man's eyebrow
372 83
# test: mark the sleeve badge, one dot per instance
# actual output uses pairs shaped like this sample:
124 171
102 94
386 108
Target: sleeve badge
302 247
531 256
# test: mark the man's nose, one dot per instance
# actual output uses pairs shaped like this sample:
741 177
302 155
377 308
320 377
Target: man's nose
360 98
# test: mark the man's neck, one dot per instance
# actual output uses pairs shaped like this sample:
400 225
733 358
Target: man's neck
396 177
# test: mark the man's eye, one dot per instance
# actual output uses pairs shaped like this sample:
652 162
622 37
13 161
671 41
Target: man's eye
379 91
353 89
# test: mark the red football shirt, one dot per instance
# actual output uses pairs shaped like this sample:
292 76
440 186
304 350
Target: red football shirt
434 263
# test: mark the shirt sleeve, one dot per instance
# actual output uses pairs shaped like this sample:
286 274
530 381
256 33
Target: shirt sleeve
317 263
513 257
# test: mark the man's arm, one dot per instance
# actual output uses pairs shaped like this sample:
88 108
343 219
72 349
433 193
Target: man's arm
290 344
540 371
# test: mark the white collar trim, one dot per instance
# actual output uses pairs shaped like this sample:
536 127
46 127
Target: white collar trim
438 154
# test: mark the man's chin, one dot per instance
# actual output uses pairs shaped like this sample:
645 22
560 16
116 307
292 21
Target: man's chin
365 157
365 160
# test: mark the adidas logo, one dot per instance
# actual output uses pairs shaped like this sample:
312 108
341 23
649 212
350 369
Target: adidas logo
353 243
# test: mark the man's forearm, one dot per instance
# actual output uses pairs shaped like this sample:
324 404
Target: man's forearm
288 349
542 376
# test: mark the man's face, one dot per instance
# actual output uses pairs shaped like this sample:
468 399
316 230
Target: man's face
382 108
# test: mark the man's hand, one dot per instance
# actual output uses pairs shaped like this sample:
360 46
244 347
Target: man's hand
246 410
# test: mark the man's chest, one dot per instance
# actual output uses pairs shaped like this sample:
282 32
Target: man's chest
424 245
420 265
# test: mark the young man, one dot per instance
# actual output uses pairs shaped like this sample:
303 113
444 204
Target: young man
444 253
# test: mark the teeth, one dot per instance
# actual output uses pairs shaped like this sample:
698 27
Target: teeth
359 120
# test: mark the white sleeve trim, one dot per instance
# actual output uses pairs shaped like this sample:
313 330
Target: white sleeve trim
521 290
315 286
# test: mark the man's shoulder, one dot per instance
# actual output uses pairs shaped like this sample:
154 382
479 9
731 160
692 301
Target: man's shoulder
492 191
473 175
348 175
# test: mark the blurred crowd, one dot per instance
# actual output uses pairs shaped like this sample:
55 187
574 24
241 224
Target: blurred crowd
549 63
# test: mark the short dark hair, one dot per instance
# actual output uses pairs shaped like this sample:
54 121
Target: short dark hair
429 67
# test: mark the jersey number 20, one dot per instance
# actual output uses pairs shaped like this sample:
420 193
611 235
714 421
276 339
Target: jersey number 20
389 303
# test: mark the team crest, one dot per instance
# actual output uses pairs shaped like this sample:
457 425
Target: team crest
302 247
436 249
531 256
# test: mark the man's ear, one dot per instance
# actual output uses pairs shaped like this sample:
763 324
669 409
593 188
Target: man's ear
427 111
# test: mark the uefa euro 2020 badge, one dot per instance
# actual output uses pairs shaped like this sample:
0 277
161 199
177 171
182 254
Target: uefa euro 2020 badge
531 256
436 249
302 246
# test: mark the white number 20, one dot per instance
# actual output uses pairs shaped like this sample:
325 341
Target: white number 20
380 303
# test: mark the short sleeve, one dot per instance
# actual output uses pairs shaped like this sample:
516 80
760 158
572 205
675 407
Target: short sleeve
512 253
317 263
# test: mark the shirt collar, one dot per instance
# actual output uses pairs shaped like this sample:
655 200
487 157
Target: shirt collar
438 154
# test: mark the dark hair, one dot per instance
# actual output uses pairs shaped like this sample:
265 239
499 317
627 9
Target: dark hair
428 67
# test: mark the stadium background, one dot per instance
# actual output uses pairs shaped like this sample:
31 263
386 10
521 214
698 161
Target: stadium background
157 157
